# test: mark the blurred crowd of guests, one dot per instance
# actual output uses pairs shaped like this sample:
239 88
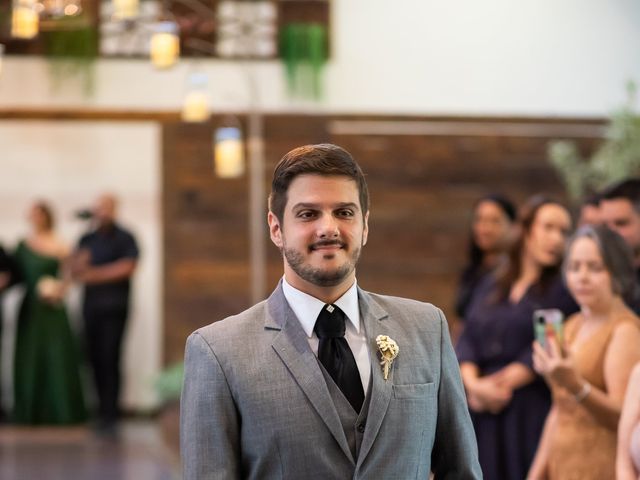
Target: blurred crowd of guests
554 407
48 355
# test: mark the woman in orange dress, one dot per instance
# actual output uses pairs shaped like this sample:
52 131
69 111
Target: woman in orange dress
588 372
628 458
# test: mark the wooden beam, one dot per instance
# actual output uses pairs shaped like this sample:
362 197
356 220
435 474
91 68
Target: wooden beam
92 115
339 121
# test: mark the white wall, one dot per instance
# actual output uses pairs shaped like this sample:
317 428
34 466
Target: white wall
68 164
528 57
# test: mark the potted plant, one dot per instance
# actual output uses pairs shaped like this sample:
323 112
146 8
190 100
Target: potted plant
168 386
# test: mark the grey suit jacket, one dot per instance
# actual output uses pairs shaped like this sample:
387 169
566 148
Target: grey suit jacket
255 403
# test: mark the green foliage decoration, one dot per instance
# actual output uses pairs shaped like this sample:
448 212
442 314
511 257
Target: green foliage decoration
617 158
168 384
72 51
303 47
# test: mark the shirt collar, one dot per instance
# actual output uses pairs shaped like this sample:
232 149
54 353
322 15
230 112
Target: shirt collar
307 308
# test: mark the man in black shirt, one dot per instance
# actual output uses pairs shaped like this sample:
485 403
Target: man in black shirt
620 211
105 260
9 275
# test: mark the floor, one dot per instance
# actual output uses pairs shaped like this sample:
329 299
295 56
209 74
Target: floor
77 453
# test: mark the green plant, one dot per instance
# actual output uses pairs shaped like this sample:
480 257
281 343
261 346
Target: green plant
168 384
618 157
303 48
72 50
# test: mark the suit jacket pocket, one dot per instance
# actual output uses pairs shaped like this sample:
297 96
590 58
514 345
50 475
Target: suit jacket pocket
414 390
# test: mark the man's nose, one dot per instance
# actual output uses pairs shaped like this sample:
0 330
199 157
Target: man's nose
328 227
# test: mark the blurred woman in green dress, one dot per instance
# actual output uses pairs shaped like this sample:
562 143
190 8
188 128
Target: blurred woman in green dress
47 386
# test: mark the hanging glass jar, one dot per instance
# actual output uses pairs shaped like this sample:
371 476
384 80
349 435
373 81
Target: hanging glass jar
195 107
25 22
165 45
228 152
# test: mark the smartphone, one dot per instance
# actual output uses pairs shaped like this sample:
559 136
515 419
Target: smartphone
548 323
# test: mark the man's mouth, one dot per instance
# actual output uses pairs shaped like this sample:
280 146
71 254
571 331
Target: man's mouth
329 245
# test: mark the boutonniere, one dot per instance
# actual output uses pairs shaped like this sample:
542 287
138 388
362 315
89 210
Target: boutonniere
388 349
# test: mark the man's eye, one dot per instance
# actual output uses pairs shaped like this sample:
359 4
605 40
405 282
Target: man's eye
306 214
345 213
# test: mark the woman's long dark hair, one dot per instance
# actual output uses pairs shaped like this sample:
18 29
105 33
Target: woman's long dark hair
476 255
475 268
510 272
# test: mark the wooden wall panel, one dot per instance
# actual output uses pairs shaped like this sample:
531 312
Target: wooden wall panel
424 174
205 236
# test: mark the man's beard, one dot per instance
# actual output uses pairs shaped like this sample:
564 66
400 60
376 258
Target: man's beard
319 276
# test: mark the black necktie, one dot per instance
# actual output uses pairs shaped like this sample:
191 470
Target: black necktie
336 356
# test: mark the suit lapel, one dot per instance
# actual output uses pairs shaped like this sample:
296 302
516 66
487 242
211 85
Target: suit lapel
372 315
292 346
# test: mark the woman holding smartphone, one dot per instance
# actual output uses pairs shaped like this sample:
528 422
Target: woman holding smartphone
508 400
588 372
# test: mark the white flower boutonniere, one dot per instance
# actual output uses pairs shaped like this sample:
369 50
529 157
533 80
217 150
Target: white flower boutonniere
388 349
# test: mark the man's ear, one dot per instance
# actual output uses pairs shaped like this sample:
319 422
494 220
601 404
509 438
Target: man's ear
365 229
275 230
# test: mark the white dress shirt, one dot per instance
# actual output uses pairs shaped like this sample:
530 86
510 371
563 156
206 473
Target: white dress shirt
307 309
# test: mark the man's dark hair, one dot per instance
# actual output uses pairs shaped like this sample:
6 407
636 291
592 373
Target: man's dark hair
322 159
592 199
628 189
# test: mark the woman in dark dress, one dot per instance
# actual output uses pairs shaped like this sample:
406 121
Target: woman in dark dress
47 386
508 401
491 234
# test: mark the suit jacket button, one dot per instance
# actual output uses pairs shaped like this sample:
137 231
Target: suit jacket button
361 428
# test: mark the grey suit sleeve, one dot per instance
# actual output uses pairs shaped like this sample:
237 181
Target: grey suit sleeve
209 423
455 451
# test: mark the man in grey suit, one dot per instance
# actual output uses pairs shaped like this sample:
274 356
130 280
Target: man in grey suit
324 380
